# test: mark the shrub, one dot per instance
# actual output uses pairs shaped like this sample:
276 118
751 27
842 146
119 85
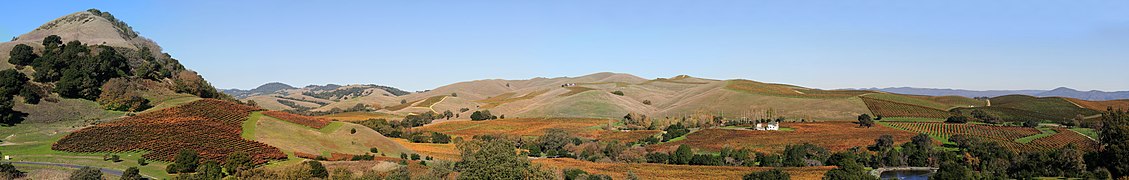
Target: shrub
373 150
131 173
618 93
86 173
647 102
415 156
956 119
317 169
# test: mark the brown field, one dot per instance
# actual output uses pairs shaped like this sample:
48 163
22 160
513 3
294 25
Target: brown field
1101 105
516 126
836 136
361 116
431 101
401 106
667 171
573 90
440 151
506 98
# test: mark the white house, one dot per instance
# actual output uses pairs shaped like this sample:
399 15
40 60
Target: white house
772 126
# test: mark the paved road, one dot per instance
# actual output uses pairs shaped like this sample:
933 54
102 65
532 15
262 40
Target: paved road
106 171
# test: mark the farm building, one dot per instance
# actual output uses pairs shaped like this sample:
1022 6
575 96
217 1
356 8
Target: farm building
772 126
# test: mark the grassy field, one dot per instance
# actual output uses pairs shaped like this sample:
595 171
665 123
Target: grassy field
1086 131
573 90
506 98
1045 132
516 126
361 116
836 136
337 137
171 101
430 101
667 171
440 151
31 142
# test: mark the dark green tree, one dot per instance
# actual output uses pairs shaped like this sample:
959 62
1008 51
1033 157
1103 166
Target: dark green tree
682 155
1115 139
953 170
131 173
237 162
186 161
317 169
850 170
865 120
52 41
210 170
22 55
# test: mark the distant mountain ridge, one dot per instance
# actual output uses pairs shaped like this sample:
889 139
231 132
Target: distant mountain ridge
262 89
1093 95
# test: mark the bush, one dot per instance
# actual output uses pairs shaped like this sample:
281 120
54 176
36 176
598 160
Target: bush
415 156
618 93
1031 123
131 173
186 161
956 119
8 171
373 150
774 174
482 115
86 173
317 169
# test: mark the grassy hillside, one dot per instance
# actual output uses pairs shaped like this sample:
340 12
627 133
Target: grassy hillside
333 138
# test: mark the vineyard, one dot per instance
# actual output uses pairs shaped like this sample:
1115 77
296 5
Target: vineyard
1004 135
208 126
783 90
896 109
1064 137
309 121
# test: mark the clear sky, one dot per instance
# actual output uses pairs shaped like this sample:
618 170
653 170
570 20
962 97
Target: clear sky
417 45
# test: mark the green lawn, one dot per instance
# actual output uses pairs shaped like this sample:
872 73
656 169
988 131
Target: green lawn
32 142
1028 139
249 125
1086 131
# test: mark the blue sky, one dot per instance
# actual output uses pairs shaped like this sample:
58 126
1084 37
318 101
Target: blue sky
417 45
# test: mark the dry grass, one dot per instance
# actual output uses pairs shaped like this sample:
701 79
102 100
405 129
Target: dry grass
515 126
439 151
1101 105
431 101
666 171
505 98
331 139
361 116
573 90
836 136
401 106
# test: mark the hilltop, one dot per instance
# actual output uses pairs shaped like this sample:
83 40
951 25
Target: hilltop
1092 95
53 71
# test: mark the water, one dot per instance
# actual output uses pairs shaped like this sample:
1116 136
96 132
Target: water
906 175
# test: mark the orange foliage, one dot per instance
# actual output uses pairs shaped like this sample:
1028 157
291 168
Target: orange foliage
210 127
309 121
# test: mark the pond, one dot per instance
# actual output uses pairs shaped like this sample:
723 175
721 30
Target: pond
907 174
